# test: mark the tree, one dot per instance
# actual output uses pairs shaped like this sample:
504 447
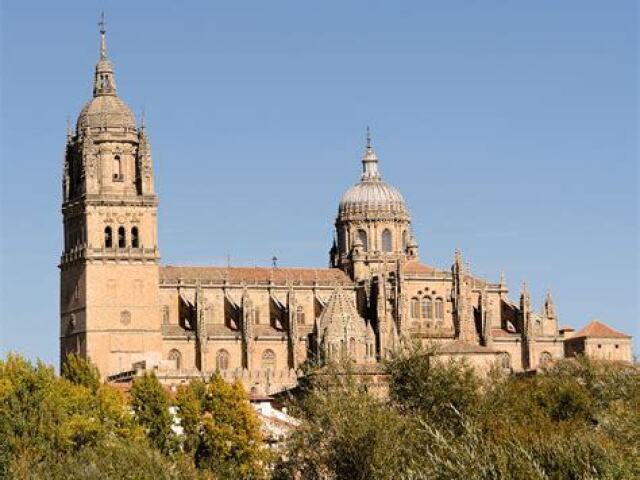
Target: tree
150 404
221 429
81 371
443 392
45 418
348 434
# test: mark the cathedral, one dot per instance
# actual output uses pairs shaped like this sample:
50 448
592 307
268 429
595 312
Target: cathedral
127 312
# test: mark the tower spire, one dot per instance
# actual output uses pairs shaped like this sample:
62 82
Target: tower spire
104 82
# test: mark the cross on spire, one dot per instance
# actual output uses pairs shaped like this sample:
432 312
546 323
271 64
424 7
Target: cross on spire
102 24
368 137
103 42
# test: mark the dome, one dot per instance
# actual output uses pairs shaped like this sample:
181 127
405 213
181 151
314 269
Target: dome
371 193
106 111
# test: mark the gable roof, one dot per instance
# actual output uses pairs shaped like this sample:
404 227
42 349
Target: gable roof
597 329
249 275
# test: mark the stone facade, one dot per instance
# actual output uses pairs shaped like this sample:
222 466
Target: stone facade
124 310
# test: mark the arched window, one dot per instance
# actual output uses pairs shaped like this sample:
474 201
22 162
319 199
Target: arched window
117 168
352 348
122 238
108 237
427 308
439 309
405 240
545 359
165 315
135 241
386 240
256 316
505 361
415 308
269 360
300 315
342 240
176 356
222 360
362 236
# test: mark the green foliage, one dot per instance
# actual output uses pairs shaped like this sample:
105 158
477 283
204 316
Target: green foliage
221 429
576 420
348 434
150 404
44 418
81 371
443 393
113 460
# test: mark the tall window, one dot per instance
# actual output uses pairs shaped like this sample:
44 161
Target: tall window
352 348
415 308
439 309
165 315
135 241
176 356
117 168
362 236
300 315
427 308
269 360
386 240
222 360
405 240
108 237
122 237
505 361
256 316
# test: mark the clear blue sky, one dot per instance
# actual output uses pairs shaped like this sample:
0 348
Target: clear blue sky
510 127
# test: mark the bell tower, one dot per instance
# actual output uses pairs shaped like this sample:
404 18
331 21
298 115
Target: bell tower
109 273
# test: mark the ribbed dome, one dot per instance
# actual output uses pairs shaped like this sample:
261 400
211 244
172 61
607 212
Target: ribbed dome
106 111
372 194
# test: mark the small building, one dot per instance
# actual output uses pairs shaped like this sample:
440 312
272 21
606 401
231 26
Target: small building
599 341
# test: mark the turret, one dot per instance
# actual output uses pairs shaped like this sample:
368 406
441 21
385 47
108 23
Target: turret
549 316
528 328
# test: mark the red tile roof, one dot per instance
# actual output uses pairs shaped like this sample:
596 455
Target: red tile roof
305 276
597 329
413 266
